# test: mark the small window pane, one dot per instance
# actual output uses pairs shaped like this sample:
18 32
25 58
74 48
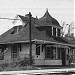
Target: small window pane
58 32
14 51
59 53
54 53
1 53
54 31
38 49
48 52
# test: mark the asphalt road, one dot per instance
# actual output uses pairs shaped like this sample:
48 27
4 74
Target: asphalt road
65 71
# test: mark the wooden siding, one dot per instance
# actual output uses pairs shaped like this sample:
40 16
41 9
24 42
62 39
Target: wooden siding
39 59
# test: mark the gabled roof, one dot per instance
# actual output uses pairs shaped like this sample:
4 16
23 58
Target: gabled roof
47 19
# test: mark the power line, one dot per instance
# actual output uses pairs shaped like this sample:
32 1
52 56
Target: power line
9 18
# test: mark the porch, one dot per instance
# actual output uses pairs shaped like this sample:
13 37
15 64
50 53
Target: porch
44 54
51 54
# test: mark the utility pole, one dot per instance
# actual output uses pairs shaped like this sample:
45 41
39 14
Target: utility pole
30 44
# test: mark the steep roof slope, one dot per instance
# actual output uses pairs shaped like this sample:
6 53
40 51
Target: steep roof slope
47 19
23 36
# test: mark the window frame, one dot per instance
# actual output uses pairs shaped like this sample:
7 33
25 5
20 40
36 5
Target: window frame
2 53
58 32
58 53
53 53
14 52
37 49
54 33
48 52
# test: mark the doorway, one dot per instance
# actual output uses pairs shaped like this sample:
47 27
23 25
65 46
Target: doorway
63 52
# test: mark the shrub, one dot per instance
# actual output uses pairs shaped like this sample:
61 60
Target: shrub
25 61
20 64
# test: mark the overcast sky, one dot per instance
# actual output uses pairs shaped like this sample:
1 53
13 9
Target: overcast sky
62 10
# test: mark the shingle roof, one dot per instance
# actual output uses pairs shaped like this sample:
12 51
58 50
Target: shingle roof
23 35
26 18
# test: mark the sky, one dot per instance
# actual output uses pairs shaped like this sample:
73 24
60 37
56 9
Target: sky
62 10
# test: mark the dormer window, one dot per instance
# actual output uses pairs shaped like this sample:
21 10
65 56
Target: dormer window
54 31
16 29
58 32
12 32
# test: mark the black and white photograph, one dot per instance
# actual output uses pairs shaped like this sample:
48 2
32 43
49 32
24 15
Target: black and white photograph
37 37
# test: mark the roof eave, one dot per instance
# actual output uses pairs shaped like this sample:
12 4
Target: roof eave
47 26
47 42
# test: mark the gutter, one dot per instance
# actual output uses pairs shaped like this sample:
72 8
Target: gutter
54 42
43 41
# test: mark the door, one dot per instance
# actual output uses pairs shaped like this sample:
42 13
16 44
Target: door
63 56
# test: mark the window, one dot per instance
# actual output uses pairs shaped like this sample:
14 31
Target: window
12 32
19 46
16 29
14 51
58 32
54 31
1 53
37 49
58 53
48 52
54 52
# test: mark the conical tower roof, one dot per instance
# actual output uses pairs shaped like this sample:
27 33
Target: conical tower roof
47 19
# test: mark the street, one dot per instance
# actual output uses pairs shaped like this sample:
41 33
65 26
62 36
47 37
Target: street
65 71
